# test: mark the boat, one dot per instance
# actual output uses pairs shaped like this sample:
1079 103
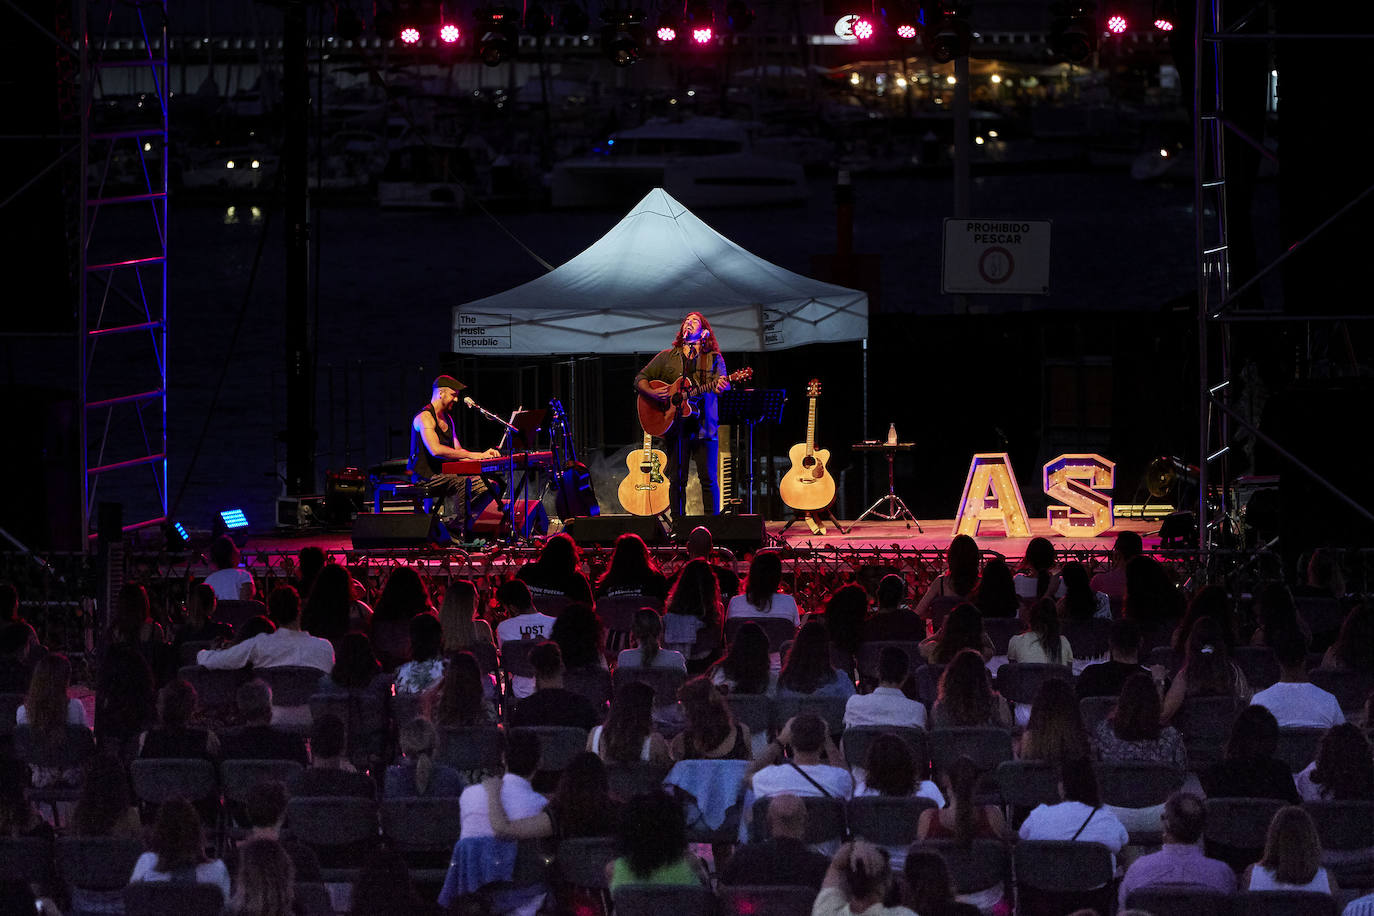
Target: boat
700 161
423 176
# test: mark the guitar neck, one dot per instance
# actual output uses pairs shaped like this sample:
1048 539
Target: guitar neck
811 427
648 446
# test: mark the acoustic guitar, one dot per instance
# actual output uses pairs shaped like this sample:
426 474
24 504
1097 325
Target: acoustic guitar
657 418
808 486
644 491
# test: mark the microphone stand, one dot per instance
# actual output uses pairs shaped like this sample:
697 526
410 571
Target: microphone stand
509 459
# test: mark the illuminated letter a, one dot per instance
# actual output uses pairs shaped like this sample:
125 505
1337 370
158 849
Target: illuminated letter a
991 495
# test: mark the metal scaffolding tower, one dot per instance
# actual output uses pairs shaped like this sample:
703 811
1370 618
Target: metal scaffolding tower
122 307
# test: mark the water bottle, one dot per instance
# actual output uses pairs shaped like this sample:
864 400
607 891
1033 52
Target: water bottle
892 434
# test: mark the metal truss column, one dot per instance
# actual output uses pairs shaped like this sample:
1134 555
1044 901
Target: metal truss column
122 300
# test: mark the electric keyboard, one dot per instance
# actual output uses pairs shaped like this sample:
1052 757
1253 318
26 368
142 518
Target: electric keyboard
523 460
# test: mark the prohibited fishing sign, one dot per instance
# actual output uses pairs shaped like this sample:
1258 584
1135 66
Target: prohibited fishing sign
996 256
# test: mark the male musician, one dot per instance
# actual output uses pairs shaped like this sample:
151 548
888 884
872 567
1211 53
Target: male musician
695 355
433 441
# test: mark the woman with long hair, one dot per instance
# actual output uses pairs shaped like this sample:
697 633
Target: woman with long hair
995 595
1080 602
647 651
712 732
405 594
462 696
1042 642
746 667
807 671
1209 601
962 629
1292 857
1055 732
265 884
1207 670
961 819
579 635
581 805
1277 617
653 845
106 806
1151 599
959 580
966 696
1343 770
761 597
200 625
1036 579
355 664
425 669
177 846
417 775
133 621
556 578
1250 768
928 888
628 735
845 610
47 711
1132 732
890 769
174 737
332 607
693 619
632 571
1353 649
462 626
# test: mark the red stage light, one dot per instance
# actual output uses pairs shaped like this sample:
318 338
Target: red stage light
449 33
410 35
906 31
703 34
667 33
1116 23
1164 25
863 29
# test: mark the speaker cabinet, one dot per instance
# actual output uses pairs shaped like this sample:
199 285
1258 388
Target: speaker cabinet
604 529
738 533
391 529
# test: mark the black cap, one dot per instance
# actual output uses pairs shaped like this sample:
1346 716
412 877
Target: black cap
448 381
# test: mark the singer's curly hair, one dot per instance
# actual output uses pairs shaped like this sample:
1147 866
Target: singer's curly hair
708 340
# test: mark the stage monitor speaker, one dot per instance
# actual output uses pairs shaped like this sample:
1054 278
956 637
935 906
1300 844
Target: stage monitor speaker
488 521
604 529
391 529
738 533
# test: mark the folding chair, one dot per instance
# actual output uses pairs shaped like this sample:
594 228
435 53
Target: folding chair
471 747
982 864
515 657
1346 830
1298 746
423 831
927 678
1095 710
312 899
95 870
825 820
64 750
215 688
363 713
292 685
342 831
1060 876
765 900
627 780
159 898
558 744
693 780
1179 900
653 900
778 630
752 709
236 612
157 781
1023 784
1204 723
617 613
1284 903
1089 638
238 777
830 709
1019 682
582 861
857 739
665 681
594 684
1139 784
1236 828
1000 630
986 745
1259 664
887 822
30 859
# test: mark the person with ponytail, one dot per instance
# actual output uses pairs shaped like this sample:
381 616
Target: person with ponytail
963 820
647 651
1036 579
417 775
1042 642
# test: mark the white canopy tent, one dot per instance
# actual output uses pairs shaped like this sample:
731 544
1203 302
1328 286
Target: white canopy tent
628 291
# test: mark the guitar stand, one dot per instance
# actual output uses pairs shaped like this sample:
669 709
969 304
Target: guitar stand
814 523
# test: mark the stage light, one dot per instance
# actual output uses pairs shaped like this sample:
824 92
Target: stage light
410 35
233 518
947 33
448 33
1073 29
1164 25
500 36
1117 23
177 535
666 34
863 29
739 15
669 28
701 23
906 31
1164 14
622 36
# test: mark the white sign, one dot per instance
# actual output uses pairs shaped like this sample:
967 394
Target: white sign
480 331
996 256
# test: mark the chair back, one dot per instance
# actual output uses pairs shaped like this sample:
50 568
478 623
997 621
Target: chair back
1284 903
1023 784
312 898
857 739
594 684
96 863
581 861
976 867
752 709
487 658
825 820
332 820
292 685
1137 783
1259 664
987 746
886 821
238 777
1179 900
471 747
665 681
215 688
830 709
1349 687
558 744
1204 723
515 657
617 612
1089 638
630 779
765 900
158 898
421 824
235 612
928 684
1346 831
1298 746
1019 682
363 713
157 781
655 900
1001 629
1236 828
29 859
866 659
61 750
1095 710
1323 616
1060 876
778 629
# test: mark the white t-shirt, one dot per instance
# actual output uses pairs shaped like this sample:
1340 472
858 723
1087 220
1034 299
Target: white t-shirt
1026 586
783 779
533 625
76 714
831 902
225 583
884 706
926 789
518 799
1061 821
1262 879
1026 647
1300 705
212 872
272 650
783 607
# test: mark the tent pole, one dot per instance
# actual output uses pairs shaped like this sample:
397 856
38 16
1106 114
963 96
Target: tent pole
864 417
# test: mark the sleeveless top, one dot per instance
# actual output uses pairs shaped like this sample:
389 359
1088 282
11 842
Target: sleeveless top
738 751
422 464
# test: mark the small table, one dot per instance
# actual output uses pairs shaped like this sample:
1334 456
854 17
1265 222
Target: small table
892 508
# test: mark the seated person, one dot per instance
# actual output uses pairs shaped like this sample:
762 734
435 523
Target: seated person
891 619
417 775
1295 701
806 774
264 813
783 858
176 847
330 772
173 737
288 645
1180 861
229 581
653 846
551 703
887 704
258 740
1104 679
522 622
858 881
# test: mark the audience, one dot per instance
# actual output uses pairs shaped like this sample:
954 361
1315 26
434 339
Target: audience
887 704
556 578
176 847
257 739
125 698
425 669
783 858
1055 732
1292 857
1132 730
857 881
1041 643
845 610
1209 601
1079 815
384 888
892 620
648 651
653 846
1294 700
693 618
712 732
1036 579
18 816
332 607
929 890
550 703
1180 861
962 629
106 806
965 696
521 623
330 773
1277 614
264 885
417 775
701 546
1151 599
807 670
746 667
200 625
580 807
761 597
890 770
579 636
805 774
628 735
1249 769
174 737
229 581
47 711
1207 670
463 698
288 645
1080 601
458 617
632 571
1105 679
1343 770
19 638
995 595
963 820
355 665
956 584
405 594
264 812
1113 582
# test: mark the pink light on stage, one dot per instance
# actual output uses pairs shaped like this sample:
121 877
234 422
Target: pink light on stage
863 29
906 31
667 33
1116 23
410 35
703 34
1164 25
449 33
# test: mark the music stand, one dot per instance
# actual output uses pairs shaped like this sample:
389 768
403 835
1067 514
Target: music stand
894 510
752 406
527 424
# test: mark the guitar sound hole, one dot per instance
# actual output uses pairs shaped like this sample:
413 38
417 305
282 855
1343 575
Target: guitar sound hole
808 461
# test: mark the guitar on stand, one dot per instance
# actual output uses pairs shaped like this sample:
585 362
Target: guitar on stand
807 487
657 419
574 495
645 489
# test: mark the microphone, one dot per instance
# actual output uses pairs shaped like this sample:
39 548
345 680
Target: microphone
705 332
470 402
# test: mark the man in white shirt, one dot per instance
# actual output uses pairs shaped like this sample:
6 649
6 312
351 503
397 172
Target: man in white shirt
806 775
287 646
887 705
229 582
1295 701
522 623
